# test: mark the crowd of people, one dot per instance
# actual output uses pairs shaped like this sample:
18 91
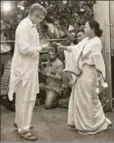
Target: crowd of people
70 65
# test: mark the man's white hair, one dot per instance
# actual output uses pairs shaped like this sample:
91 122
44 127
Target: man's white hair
37 7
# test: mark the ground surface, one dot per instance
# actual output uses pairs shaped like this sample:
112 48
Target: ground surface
51 126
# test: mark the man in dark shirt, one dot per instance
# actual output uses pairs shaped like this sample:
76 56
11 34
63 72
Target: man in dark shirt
53 72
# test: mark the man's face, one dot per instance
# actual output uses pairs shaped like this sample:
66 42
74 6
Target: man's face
52 55
19 18
57 23
37 18
3 26
80 36
76 17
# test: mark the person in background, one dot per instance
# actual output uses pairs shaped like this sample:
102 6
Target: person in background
53 30
74 24
2 30
80 34
19 18
42 79
5 35
4 85
69 35
53 73
24 70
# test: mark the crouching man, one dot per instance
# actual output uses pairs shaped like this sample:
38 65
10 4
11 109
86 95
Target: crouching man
53 72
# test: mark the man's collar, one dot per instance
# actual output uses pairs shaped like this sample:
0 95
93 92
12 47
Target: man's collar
51 62
30 23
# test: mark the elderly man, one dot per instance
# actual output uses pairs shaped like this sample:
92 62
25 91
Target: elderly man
24 70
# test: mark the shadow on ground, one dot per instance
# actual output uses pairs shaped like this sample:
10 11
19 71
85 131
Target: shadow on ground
51 126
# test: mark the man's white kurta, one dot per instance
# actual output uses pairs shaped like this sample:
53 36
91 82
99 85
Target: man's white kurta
25 60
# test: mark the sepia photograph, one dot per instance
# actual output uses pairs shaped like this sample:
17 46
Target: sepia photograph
57 71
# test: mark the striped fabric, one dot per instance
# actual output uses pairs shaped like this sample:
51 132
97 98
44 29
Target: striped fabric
5 78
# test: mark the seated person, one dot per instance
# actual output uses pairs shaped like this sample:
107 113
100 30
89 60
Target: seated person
42 79
53 74
4 86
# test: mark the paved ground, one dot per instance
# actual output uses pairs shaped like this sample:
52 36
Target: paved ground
50 126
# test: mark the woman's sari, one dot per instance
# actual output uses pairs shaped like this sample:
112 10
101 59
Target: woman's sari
72 56
85 110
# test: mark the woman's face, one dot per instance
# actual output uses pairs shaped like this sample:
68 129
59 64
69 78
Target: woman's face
87 30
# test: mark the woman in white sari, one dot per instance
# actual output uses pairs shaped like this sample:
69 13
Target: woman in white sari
85 111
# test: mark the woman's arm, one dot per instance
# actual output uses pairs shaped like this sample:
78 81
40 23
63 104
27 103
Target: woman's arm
66 48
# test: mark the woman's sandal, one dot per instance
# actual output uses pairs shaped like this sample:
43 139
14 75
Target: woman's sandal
27 135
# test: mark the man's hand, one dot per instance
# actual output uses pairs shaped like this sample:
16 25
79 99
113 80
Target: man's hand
62 47
45 46
42 86
47 74
57 44
43 73
53 71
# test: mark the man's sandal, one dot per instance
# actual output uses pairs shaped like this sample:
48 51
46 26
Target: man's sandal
27 135
15 125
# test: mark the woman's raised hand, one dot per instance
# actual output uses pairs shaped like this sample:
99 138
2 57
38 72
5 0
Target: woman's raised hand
59 46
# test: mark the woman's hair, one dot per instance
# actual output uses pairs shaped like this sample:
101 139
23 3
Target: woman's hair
95 25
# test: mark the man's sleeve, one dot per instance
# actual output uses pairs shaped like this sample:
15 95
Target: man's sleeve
59 69
23 43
